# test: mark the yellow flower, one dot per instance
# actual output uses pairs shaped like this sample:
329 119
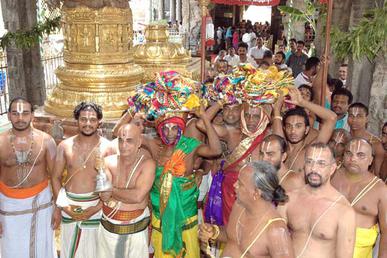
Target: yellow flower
192 102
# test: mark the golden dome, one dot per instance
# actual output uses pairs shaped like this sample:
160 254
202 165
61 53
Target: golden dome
158 50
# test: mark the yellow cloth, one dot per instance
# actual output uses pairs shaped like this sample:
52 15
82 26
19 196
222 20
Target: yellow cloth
190 239
365 241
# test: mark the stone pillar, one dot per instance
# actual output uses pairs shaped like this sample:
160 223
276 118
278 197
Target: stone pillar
378 98
178 10
25 70
172 10
360 71
297 29
194 25
160 9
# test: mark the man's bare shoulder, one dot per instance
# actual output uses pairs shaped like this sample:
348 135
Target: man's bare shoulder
297 193
149 163
67 142
312 136
381 189
4 135
278 228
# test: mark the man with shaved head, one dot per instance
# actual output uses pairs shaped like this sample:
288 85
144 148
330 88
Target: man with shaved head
124 227
367 195
320 219
273 150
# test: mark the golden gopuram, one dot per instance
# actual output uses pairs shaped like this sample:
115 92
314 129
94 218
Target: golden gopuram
98 56
158 54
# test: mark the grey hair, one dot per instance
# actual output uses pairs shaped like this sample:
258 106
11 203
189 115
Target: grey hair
266 179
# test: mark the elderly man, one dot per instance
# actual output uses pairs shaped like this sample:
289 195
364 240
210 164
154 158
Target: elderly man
124 227
27 157
255 228
321 220
367 195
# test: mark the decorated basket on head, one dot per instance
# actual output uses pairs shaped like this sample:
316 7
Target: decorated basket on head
257 89
166 100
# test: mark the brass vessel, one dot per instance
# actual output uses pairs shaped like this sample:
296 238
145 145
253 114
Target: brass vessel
98 56
158 54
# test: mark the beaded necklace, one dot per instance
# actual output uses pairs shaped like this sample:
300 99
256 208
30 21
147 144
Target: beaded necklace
23 158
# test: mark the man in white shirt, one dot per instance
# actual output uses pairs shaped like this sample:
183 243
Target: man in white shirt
306 77
343 70
232 58
220 56
243 57
219 36
258 51
248 37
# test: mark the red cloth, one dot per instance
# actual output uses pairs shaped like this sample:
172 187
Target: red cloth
324 1
172 120
231 176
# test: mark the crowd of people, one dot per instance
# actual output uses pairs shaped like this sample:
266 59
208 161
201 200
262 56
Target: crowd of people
293 178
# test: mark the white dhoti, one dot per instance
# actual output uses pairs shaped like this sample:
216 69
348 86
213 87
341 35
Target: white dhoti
26 222
124 239
79 238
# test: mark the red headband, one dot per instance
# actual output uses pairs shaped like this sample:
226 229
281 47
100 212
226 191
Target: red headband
173 120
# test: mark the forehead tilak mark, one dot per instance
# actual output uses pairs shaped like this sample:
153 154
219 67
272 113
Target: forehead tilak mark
19 107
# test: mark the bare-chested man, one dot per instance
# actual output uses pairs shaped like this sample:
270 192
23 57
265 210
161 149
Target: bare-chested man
174 192
297 130
367 195
255 228
80 205
273 150
124 227
339 139
357 121
320 219
27 157
243 145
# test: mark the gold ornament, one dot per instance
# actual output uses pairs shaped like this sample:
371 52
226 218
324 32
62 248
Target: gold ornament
158 54
98 57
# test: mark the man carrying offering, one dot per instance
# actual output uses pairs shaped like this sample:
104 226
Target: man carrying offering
81 207
174 193
124 226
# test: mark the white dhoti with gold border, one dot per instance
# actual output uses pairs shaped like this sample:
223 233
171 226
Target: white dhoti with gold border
124 239
79 238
